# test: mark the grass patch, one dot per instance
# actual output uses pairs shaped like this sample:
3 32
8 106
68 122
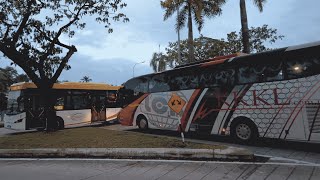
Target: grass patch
93 137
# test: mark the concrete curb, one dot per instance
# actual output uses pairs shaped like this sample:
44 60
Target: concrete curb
230 153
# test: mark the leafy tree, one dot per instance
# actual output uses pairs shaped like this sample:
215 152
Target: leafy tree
3 103
191 10
244 22
86 79
159 62
31 34
9 76
206 48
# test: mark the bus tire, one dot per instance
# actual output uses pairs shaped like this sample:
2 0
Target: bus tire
142 122
244 131
60 123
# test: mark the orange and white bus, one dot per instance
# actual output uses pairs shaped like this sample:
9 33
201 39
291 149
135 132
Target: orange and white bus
274 94
76 104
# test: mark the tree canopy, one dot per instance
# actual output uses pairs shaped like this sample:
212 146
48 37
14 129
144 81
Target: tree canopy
206 47
32 31
9 76
191 10
33 35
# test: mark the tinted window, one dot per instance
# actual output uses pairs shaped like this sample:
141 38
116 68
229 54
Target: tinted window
256 73
217 77
302 67
111 99
138 85
184 79
159 83
80 100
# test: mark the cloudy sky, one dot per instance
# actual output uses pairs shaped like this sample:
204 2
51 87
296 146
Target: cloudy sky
110 58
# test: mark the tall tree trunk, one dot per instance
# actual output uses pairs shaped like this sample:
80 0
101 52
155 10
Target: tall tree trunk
244 27
47 103
190 35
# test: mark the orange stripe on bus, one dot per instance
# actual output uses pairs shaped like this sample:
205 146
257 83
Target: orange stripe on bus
127 113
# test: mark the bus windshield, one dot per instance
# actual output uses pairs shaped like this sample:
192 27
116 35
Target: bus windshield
15 103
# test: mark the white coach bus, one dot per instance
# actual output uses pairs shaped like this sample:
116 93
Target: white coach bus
274 94
76 104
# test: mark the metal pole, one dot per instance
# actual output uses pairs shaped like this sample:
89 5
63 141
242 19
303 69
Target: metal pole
135 66
133 69
179 47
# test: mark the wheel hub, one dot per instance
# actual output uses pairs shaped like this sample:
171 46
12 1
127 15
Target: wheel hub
143 123
243 131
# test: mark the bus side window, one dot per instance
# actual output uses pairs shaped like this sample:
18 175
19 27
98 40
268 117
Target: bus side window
206 78
158 83
250 74
215 77
69 104
80 100
132 86
143 86
302 67
184 80
273 72
111 99
225 77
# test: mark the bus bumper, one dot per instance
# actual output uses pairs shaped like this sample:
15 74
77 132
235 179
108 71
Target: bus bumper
16 122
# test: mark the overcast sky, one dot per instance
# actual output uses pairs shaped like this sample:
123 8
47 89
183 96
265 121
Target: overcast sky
110 58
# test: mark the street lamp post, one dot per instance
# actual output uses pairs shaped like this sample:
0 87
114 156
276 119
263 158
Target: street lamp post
135 66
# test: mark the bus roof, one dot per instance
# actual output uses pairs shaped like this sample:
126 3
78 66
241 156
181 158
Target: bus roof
67 85
241 58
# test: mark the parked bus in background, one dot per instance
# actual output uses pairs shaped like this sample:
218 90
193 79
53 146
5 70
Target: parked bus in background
76 104
273 94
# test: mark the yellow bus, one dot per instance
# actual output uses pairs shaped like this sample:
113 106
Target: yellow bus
76 104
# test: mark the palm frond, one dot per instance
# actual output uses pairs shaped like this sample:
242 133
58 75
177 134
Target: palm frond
260 4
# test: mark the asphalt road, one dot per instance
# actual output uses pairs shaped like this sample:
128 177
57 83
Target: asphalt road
132 169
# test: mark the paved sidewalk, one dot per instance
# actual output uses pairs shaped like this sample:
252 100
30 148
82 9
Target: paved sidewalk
230 153
95 169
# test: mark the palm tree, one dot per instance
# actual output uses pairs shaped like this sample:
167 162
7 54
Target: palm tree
158 62
244 22
196 8
85 79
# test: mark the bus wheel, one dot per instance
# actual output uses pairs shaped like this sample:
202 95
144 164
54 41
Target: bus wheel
60 123
142 123
244 131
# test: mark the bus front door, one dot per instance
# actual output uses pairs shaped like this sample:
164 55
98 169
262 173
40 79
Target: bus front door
98 109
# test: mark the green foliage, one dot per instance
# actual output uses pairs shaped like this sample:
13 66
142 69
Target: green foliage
31 32
244 23
190 10
199 10
159 62
9 76
206 47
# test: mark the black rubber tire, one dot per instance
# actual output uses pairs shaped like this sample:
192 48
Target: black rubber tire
244 131
60 123
143 123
